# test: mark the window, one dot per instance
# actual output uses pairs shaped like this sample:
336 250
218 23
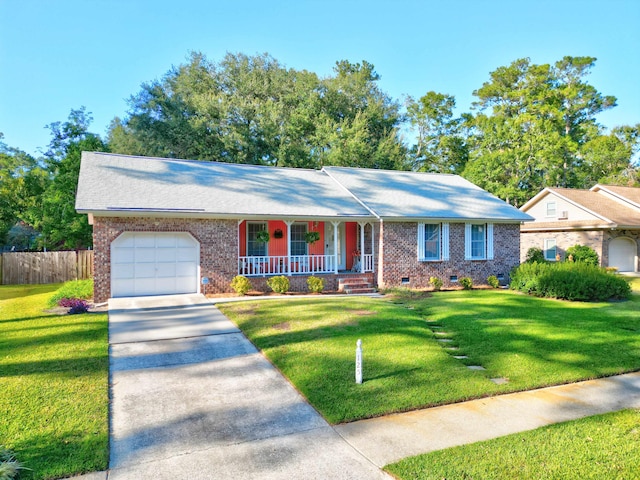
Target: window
551 209
254 247
550 249
298 242
478 241
433 241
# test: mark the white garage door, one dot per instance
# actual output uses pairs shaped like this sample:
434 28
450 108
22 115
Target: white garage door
146 263
622 254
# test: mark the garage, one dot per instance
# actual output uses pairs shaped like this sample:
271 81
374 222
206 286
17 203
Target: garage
622 254
154 263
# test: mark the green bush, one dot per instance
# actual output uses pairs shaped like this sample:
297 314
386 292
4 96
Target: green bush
569 281
466 283
9 466
535 254
436 283
80 289
279 284
241 285
493 281
315 284
584 254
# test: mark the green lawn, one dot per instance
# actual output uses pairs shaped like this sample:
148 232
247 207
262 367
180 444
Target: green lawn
599 447
53 385
532 342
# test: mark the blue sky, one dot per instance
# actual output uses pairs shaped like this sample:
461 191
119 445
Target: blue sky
59 55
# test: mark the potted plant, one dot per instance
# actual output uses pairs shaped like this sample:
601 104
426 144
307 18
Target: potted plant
312 236
262 236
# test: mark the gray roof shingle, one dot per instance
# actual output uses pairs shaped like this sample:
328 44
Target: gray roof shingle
123 184
413 195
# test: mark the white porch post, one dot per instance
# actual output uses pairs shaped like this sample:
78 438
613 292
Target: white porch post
362 224
288 223
335 246
373 244
238 256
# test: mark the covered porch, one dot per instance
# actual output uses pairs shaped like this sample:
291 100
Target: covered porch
301 247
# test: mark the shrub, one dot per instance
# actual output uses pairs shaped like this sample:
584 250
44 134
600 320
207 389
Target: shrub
75 305
315 284
584 254
82 289
436 283
241 285
9 466
493 281
279 284
466 283
569 281
535 254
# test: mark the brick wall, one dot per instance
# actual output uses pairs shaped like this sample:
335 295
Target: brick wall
399 257
564 240
218 247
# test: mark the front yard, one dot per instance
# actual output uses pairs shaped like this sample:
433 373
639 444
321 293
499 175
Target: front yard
599 447
53 385
527 342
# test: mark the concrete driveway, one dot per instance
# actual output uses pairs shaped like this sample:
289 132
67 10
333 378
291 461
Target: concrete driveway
193 399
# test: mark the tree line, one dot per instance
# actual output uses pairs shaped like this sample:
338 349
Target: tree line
531 126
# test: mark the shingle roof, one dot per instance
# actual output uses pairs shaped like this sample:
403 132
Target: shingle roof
631 194
398 195
124 184
603 206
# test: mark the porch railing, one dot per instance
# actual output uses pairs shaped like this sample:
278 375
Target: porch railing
279 265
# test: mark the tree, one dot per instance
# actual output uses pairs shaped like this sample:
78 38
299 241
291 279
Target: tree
533 127
58 223
251 109
22 181
440 147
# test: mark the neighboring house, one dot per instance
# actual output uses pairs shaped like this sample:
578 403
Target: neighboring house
605 218
163 226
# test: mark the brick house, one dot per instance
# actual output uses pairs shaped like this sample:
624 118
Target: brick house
605 218
163 226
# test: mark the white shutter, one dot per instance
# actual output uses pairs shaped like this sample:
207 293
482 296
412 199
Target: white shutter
445 241
467 241
489 241
421 242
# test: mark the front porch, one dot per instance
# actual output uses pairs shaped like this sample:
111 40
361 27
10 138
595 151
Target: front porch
278 247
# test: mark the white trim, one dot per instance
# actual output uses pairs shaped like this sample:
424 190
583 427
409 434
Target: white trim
420 248
489 242
467 241
444 241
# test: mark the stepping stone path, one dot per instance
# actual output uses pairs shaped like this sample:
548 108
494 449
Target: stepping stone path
444 340
499 381
460 357
475 367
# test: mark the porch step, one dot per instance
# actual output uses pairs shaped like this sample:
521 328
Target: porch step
351 285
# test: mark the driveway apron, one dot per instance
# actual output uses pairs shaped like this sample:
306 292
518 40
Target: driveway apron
193 399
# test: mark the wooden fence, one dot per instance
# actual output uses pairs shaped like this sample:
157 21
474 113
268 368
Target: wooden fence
18 268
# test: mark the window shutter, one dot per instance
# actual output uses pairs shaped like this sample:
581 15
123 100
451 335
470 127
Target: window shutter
420 241
467 241
489 241
445 242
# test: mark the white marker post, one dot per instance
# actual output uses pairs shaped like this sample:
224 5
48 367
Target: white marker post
359 361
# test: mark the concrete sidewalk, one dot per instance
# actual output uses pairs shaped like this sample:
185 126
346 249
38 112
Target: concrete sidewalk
193 399
391 438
